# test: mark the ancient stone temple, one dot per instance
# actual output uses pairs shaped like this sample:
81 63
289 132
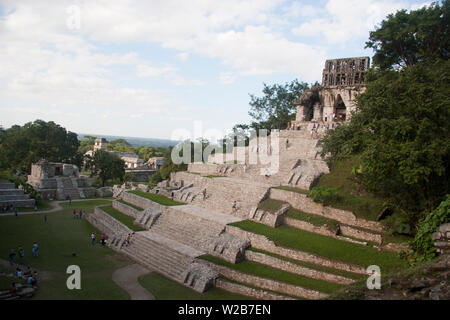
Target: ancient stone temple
335 98
59 181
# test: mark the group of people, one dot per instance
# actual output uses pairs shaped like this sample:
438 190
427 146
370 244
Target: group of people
102 239
21 253
9 208
29 276
77 214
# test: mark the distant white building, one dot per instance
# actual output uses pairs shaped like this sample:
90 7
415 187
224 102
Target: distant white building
155 163
131 159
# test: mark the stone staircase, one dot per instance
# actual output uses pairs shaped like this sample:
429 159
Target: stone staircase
10 195
221 193
184 225
66 187
161 254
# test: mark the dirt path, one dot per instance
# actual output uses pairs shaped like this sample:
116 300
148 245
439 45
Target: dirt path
127 279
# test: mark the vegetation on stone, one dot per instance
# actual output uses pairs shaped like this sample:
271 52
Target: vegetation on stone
401 128
324 246
126 220
157 198
267 272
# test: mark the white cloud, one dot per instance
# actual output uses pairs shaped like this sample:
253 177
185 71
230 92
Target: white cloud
183 56
345 20
227 77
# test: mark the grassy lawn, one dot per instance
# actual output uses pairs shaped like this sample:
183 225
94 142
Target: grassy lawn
211 176
158 198
267 272
126 220
313 266
58 239
270 205
364 205
165 289
311 218
298 190
130 205
324 246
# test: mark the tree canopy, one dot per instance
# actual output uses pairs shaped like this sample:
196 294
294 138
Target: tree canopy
106 166
401 131
20 146
275 109
406 38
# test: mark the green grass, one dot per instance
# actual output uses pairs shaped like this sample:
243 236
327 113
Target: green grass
324 246
312 265
165 289
211 176
57 239
5 282
311 218
270 205
126 220
267 272
158 198
364 205
298 190
130 205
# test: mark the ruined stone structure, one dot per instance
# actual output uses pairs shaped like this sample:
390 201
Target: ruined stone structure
10 195
59 181
230 188
334 100
155 163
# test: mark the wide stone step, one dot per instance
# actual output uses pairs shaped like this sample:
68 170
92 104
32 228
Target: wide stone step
7 185
11 192
14 197
242 289
158 258
29 203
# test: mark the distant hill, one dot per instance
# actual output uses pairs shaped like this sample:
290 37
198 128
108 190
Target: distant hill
135 142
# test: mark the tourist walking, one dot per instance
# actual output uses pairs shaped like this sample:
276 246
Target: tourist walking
103 239
234 206
287 143
127 239
74 212
81 214
35 249
12 254
21 255
16 212
45 218
93 238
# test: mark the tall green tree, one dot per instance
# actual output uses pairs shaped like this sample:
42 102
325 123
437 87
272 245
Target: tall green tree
401 131
406 38
20 146
275 108
106 166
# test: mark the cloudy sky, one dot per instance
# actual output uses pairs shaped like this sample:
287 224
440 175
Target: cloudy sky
150 68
